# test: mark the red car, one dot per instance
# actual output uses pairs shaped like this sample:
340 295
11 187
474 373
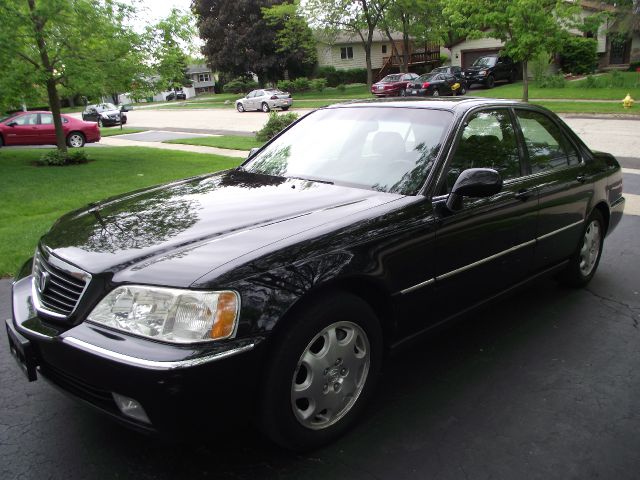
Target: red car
36 128
393 85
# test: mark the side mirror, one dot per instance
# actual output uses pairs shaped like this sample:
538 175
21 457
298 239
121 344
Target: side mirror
474 182
11 124
252 152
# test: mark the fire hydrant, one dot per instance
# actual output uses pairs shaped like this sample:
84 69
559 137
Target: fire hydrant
627 102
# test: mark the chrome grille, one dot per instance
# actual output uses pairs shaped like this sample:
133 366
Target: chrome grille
57 285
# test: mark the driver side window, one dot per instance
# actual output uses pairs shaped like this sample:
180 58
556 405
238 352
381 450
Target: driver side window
488 141
30 119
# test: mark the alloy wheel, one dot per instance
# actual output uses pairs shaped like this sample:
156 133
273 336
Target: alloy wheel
76 140
590 248
330 375
436 93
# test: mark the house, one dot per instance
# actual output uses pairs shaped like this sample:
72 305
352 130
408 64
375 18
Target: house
345 51
612 53
202 78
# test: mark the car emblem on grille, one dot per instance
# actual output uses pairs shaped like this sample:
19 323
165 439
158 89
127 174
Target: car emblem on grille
43 281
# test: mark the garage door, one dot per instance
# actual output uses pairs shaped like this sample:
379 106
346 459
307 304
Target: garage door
469 56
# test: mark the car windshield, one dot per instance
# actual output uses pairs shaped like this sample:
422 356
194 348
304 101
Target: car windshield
390 78
385 149
103 107
439 70
485 62
7 117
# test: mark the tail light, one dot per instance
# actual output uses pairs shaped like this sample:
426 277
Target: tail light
425 85
275 97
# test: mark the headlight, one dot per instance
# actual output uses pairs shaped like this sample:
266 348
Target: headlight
169 314
482 72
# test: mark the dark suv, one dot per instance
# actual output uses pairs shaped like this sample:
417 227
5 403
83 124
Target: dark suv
489 69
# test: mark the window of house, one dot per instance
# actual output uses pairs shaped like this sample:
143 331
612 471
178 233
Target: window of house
384 49
547 146
204 77
346 53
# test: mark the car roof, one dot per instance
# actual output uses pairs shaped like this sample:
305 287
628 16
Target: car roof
453 104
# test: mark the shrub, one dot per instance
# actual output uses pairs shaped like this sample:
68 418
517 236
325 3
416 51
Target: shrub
616 79
634 66
579 55
540 66
341 88
443 59
552 81
331 75
285 85
318 84
301 84
336 77
56 158
239 85
590 82
275 125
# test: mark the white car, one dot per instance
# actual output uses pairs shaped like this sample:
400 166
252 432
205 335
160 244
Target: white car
264 99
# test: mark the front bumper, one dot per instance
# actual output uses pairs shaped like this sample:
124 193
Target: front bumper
474 78
180 388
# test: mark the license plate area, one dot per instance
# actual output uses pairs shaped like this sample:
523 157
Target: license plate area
22 351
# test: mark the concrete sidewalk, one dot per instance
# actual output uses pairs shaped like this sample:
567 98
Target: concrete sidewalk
119 142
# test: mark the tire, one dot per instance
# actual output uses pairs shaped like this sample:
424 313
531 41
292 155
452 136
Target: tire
1 142
342 336
100 123
584 262
436 93
76 140
490 82
403 92
463 89
265 107
284 109
240 107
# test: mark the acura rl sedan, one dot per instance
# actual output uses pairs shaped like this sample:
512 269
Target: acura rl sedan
274 290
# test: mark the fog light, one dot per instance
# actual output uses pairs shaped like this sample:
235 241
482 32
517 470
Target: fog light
130 408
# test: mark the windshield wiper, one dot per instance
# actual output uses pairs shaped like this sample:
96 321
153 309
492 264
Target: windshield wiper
309 179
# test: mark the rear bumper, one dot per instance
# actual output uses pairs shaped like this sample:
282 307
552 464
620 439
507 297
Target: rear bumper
179 388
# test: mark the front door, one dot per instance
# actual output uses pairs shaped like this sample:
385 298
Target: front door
24 131
487 246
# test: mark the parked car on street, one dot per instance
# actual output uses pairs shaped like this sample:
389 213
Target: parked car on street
265 99
170 96
274 290
393 85
105 114
180 94
489 69
435 85
36 128
456 72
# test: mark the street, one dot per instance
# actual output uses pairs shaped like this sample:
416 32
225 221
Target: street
541 385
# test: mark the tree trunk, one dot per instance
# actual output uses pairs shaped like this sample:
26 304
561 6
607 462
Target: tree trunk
525 82
406 54
367 56
54 103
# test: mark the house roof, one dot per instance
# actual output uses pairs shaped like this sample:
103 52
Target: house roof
597 6
198 68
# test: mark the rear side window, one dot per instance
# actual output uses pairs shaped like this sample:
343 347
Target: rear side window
46 119
547 146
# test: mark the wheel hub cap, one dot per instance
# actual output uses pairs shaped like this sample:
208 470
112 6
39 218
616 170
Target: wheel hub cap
330 375
590 248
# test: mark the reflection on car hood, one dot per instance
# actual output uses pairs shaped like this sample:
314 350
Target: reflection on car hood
475 69
199 223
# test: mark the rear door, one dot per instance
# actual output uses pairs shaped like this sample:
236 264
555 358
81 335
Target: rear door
563 185
488 245
46 129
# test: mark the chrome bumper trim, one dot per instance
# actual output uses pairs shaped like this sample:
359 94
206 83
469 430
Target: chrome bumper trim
153 364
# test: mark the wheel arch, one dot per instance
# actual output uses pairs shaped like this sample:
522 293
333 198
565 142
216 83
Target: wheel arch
604 210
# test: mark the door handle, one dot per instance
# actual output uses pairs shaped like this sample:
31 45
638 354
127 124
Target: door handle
523 194
581 178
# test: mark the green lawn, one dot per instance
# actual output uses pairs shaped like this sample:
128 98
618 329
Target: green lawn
33 197
112 131
233 142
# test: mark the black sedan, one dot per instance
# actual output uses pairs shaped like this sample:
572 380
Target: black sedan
273 291
456 72
435 85
105 114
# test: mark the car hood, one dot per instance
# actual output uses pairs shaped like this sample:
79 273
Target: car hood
175 233
475 69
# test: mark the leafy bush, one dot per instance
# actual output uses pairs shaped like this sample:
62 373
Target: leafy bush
275 125
336 77
301 84
590 82
552 81
341 88
443 59
616 79
239 85
578 55
285 85
318 84
634 66
56 158
540 66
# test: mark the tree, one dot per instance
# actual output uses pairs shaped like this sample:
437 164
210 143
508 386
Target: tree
294 39
358 17
77 45
237 38
527 27
169 39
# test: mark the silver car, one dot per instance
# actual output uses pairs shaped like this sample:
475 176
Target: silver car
264 99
